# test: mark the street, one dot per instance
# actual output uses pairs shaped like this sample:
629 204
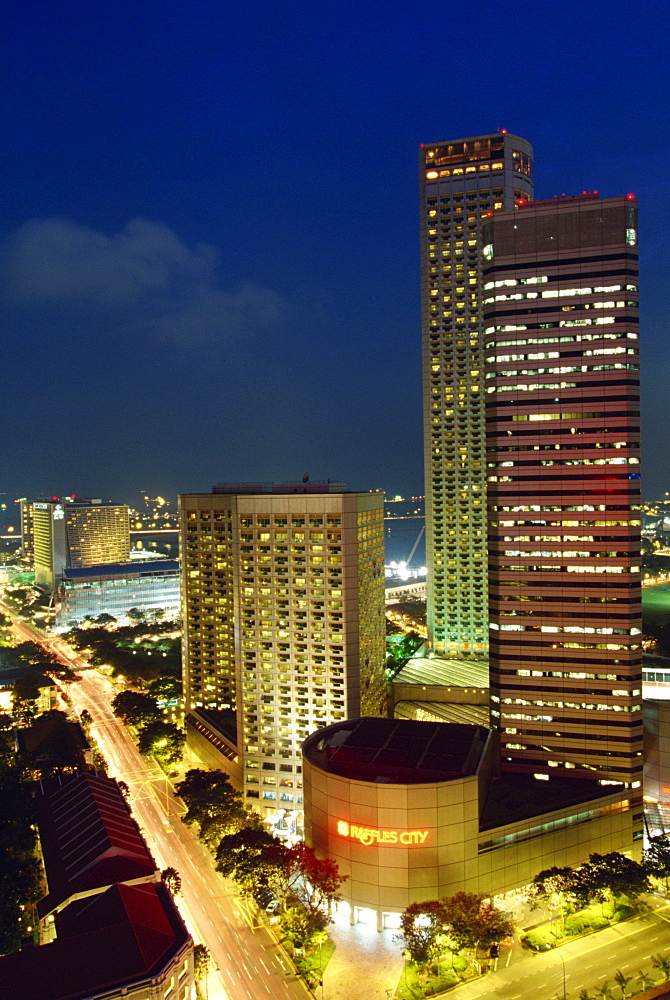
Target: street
249 962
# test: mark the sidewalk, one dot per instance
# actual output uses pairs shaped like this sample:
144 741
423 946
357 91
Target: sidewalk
365 963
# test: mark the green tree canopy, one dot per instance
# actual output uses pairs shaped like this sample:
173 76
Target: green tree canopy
172 879
213 804
135 709
613 874
420 926
202 962
162 739
166 687
472 919
657 858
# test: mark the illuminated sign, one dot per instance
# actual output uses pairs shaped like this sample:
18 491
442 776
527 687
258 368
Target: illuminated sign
368 835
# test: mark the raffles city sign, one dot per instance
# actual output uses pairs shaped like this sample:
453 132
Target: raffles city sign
369 835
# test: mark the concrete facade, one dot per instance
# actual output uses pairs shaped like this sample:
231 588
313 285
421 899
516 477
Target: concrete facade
405 842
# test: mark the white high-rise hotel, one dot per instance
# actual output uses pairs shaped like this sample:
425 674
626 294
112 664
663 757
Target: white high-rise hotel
460 182
284 629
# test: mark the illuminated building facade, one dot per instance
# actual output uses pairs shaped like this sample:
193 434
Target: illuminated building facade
563 446
408 811
284 628
115 588
460 181
76 533
27 531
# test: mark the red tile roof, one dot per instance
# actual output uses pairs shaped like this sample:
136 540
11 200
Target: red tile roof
89 840
117 938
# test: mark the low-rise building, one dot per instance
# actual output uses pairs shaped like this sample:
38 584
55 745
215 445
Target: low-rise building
108 925
115 588
413 811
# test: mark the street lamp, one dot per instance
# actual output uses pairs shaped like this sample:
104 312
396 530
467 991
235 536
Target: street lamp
563 964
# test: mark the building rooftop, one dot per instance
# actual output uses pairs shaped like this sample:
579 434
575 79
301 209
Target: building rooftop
513 797
145 568
118 938
89 840
436 711
9 674
260 488
444 673
53 737
397 751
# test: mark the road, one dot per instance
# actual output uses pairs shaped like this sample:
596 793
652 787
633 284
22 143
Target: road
250 963
586 964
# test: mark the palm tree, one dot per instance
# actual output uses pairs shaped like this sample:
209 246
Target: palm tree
584 995
662 963
605 991
622 981
645 980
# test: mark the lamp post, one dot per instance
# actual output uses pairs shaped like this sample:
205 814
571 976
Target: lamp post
563 964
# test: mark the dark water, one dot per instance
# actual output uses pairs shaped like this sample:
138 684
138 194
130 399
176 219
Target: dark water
400 535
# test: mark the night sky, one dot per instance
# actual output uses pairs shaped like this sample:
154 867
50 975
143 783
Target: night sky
209 223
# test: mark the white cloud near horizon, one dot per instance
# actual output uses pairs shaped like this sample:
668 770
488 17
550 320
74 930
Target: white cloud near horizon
142 279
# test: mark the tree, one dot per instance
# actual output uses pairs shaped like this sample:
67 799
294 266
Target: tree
213 803
242 856
136 615
622 981
616 874
657 858
662 963
166 687
472 919
164 740
172 880
645 981
25 693
135 709
420 926
552 885
202 962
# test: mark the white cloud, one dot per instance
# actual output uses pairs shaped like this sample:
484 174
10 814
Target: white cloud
143 278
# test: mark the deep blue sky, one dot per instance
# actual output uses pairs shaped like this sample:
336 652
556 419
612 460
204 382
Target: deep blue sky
209 223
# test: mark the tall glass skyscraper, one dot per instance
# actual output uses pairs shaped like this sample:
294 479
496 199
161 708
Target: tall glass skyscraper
460 183
563 450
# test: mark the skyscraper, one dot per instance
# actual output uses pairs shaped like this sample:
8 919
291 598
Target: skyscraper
284 628
460 182
76 533
563 444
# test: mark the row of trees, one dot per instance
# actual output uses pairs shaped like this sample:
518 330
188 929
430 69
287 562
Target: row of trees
463 920
139 652
20 871
155 736
603 878
262 865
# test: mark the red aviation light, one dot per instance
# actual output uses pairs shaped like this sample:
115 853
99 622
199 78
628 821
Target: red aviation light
630 197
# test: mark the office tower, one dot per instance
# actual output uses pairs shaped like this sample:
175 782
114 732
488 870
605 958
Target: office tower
459 182
75 533
284 628
563 445
27 531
